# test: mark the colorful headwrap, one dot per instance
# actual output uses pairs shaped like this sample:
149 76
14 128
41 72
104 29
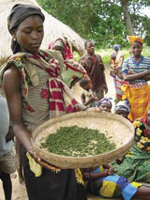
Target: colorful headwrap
103 100
61 43
123 105
116 47
20 12
134 38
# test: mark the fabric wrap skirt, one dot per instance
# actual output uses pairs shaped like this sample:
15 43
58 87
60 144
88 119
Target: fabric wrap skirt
51 185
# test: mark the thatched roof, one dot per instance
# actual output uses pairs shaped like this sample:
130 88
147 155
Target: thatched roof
53 29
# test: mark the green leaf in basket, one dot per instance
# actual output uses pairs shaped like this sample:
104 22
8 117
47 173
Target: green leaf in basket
77 142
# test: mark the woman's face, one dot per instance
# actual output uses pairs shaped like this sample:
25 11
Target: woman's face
29 34
105 107
136 49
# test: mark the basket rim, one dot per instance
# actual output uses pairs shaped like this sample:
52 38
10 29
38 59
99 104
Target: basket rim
84 114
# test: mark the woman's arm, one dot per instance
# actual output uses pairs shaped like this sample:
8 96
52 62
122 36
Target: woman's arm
11 85
93 176
110 168
147 78
135 76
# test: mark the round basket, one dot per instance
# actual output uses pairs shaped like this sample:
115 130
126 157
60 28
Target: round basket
119 129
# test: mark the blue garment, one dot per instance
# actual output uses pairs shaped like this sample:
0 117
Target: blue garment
142 65
112 186
4 127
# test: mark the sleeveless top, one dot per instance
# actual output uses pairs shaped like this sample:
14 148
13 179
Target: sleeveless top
43 92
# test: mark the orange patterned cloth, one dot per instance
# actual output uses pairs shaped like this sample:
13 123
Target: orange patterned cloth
134 38
139 99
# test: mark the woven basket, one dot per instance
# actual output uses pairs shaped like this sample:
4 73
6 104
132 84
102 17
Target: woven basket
120 130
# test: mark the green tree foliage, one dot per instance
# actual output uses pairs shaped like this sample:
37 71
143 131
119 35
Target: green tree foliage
100 20
141 23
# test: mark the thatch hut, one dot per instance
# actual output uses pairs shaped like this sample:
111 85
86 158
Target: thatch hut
53 29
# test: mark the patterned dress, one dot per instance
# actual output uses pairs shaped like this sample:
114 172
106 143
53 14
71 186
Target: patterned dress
138 91
135 166
45 96
111 186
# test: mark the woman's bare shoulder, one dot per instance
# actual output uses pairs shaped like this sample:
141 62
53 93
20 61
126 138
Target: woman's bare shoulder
11 76
11 71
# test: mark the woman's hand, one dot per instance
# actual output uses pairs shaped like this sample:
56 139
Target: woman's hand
39 160
93 98
109 168
94 109
33 154
48 166
120 160
146 78
130 72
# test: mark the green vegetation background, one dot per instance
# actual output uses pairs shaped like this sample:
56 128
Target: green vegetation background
100 20
105 54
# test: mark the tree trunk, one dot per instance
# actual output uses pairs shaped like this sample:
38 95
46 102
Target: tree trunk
127 17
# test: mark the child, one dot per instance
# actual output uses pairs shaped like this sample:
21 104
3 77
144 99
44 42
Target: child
116 58
88 98
94 67
105 104
137 90
113 64
101 181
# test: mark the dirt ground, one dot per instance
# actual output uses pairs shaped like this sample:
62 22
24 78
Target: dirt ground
19 192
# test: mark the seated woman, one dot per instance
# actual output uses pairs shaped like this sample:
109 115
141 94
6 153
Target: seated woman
135 165
101 181
122 108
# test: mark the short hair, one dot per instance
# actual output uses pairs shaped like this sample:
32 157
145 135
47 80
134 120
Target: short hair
84 82
86 42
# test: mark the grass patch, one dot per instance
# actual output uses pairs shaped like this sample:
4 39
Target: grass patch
105 54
